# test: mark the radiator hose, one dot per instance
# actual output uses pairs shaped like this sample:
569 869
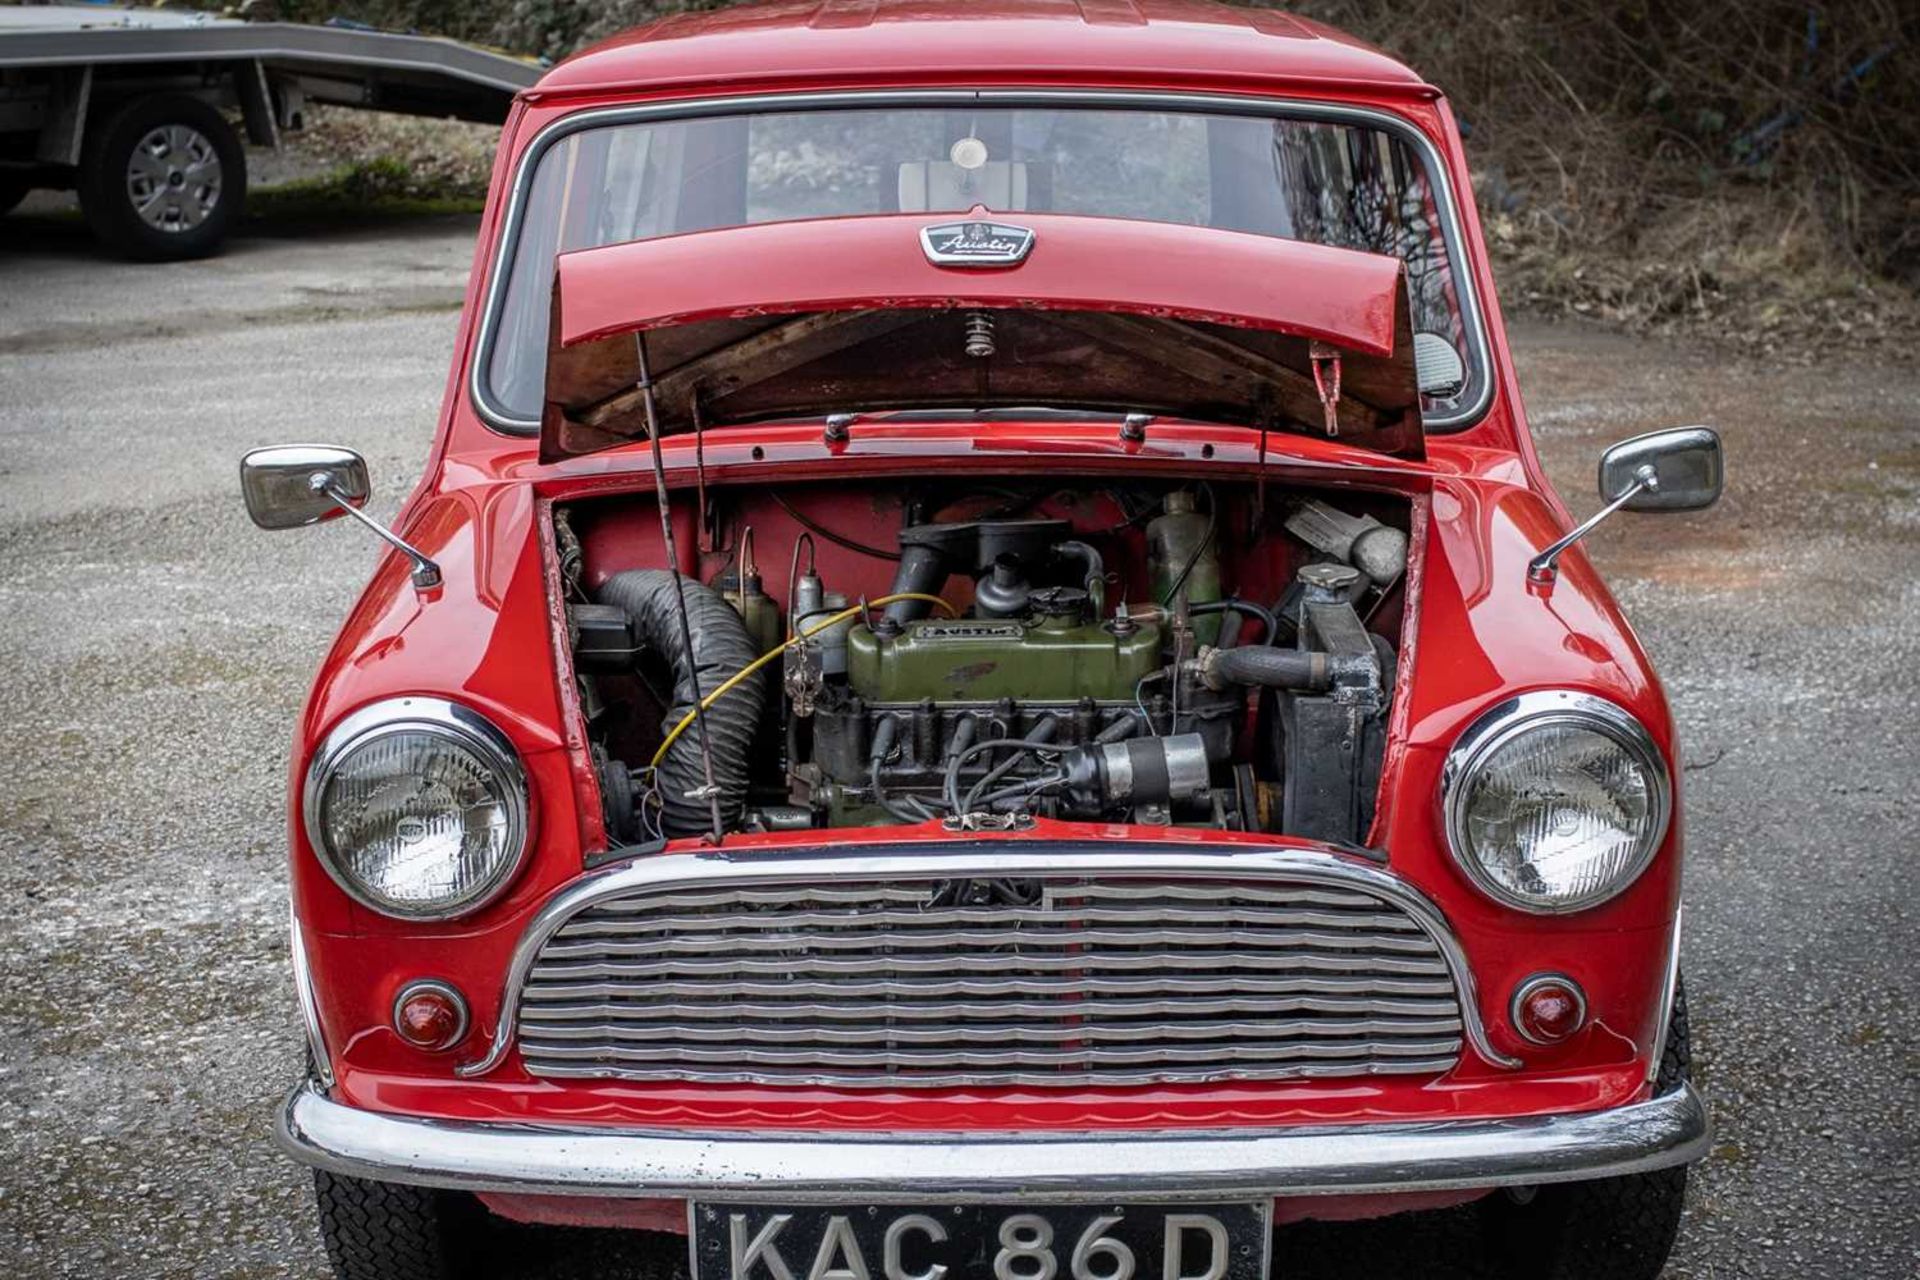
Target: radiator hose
1266 666
721 647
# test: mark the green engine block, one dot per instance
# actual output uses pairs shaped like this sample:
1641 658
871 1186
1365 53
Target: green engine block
980 659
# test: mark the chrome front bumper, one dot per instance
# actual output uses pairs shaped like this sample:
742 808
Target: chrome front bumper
579 1160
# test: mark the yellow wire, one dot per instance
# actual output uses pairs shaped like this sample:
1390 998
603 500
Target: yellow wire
733 680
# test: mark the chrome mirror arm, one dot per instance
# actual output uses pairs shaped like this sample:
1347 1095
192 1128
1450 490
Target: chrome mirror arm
1544 568
426 574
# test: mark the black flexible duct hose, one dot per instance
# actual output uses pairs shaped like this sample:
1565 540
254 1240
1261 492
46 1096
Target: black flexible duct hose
721 646
1268 667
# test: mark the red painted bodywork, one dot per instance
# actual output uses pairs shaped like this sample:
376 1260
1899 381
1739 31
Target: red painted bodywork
1341 296
488 636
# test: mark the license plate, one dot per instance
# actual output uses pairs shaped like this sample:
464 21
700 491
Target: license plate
1100 1241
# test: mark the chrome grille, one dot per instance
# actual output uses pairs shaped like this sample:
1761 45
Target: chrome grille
1064 981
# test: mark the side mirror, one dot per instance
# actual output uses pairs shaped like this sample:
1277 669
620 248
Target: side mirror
1675 470
1687 473
292 485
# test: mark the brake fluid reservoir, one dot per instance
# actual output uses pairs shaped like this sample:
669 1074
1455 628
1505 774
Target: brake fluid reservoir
1173 539
756 608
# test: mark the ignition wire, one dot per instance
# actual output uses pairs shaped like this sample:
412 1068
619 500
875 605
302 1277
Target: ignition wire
733 681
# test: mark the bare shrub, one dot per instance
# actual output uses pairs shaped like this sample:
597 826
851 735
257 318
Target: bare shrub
1660 161
1750 163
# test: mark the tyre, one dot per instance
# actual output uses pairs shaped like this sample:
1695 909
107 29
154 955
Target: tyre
163 178
12 191
385 1231
1608 1229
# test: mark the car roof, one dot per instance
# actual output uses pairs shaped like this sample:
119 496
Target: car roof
1185 44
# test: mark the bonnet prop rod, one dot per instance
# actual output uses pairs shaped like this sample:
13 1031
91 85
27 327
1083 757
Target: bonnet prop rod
709 791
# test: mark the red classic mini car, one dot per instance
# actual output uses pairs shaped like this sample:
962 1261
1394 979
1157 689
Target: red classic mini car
983 683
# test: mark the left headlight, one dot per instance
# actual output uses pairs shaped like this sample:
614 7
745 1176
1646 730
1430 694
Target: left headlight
417 808
1555 801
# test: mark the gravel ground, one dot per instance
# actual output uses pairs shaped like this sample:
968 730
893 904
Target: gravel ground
156 648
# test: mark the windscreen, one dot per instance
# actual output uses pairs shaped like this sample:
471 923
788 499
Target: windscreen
1342 185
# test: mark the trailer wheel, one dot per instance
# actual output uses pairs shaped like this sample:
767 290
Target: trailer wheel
163 178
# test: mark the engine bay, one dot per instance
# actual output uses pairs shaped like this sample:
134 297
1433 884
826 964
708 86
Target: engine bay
982 652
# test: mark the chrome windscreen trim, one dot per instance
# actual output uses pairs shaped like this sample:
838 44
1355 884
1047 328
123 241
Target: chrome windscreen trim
1446 200
304 997
602 1160
1009 858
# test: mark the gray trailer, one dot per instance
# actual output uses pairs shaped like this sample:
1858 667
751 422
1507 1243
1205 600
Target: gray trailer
133 108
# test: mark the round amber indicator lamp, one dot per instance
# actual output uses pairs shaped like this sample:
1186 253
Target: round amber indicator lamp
1549 1007
430 1015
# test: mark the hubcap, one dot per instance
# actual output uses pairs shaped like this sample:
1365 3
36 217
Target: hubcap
173 178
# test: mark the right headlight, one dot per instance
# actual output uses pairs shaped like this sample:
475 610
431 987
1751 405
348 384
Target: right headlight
417 808
1555 801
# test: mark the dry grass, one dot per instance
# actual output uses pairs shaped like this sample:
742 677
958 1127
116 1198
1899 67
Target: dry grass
407 157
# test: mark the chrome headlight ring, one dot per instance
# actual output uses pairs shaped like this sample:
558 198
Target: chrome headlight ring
462 728
1527 713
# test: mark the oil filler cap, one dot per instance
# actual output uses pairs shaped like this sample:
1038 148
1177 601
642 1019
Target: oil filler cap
1059 602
